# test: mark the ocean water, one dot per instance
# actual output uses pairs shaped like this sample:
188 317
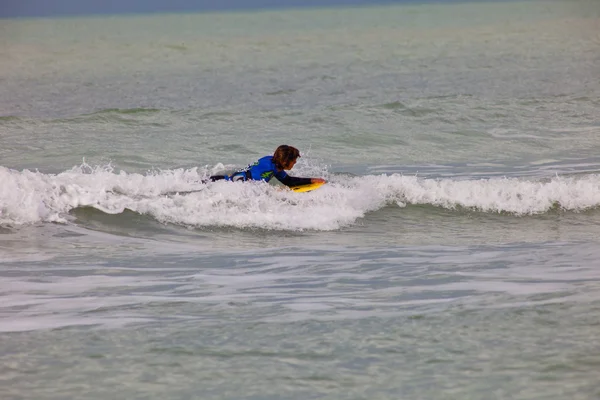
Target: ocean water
453 254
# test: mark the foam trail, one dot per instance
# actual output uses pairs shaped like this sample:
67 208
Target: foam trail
31 196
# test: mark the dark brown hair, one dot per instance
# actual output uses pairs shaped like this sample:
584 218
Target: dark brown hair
284 155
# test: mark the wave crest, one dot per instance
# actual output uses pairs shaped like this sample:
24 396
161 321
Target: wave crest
179 196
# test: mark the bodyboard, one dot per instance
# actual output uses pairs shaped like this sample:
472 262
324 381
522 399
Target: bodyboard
307 187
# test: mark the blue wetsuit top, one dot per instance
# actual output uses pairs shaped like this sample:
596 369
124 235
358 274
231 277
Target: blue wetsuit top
264 169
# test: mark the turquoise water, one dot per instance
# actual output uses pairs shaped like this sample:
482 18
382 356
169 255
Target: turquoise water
453 253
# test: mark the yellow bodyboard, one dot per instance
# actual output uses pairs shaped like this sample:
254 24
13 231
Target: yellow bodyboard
307 188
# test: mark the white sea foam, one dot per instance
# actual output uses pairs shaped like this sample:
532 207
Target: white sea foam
180 197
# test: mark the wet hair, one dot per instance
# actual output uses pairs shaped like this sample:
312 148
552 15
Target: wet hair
284 156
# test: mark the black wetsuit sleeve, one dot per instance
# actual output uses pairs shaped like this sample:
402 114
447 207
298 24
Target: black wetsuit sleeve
293 181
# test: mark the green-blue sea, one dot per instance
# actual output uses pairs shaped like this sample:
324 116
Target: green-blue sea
453 254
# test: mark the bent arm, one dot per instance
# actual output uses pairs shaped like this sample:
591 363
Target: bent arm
294 181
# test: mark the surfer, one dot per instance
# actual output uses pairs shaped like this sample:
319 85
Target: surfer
268 167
